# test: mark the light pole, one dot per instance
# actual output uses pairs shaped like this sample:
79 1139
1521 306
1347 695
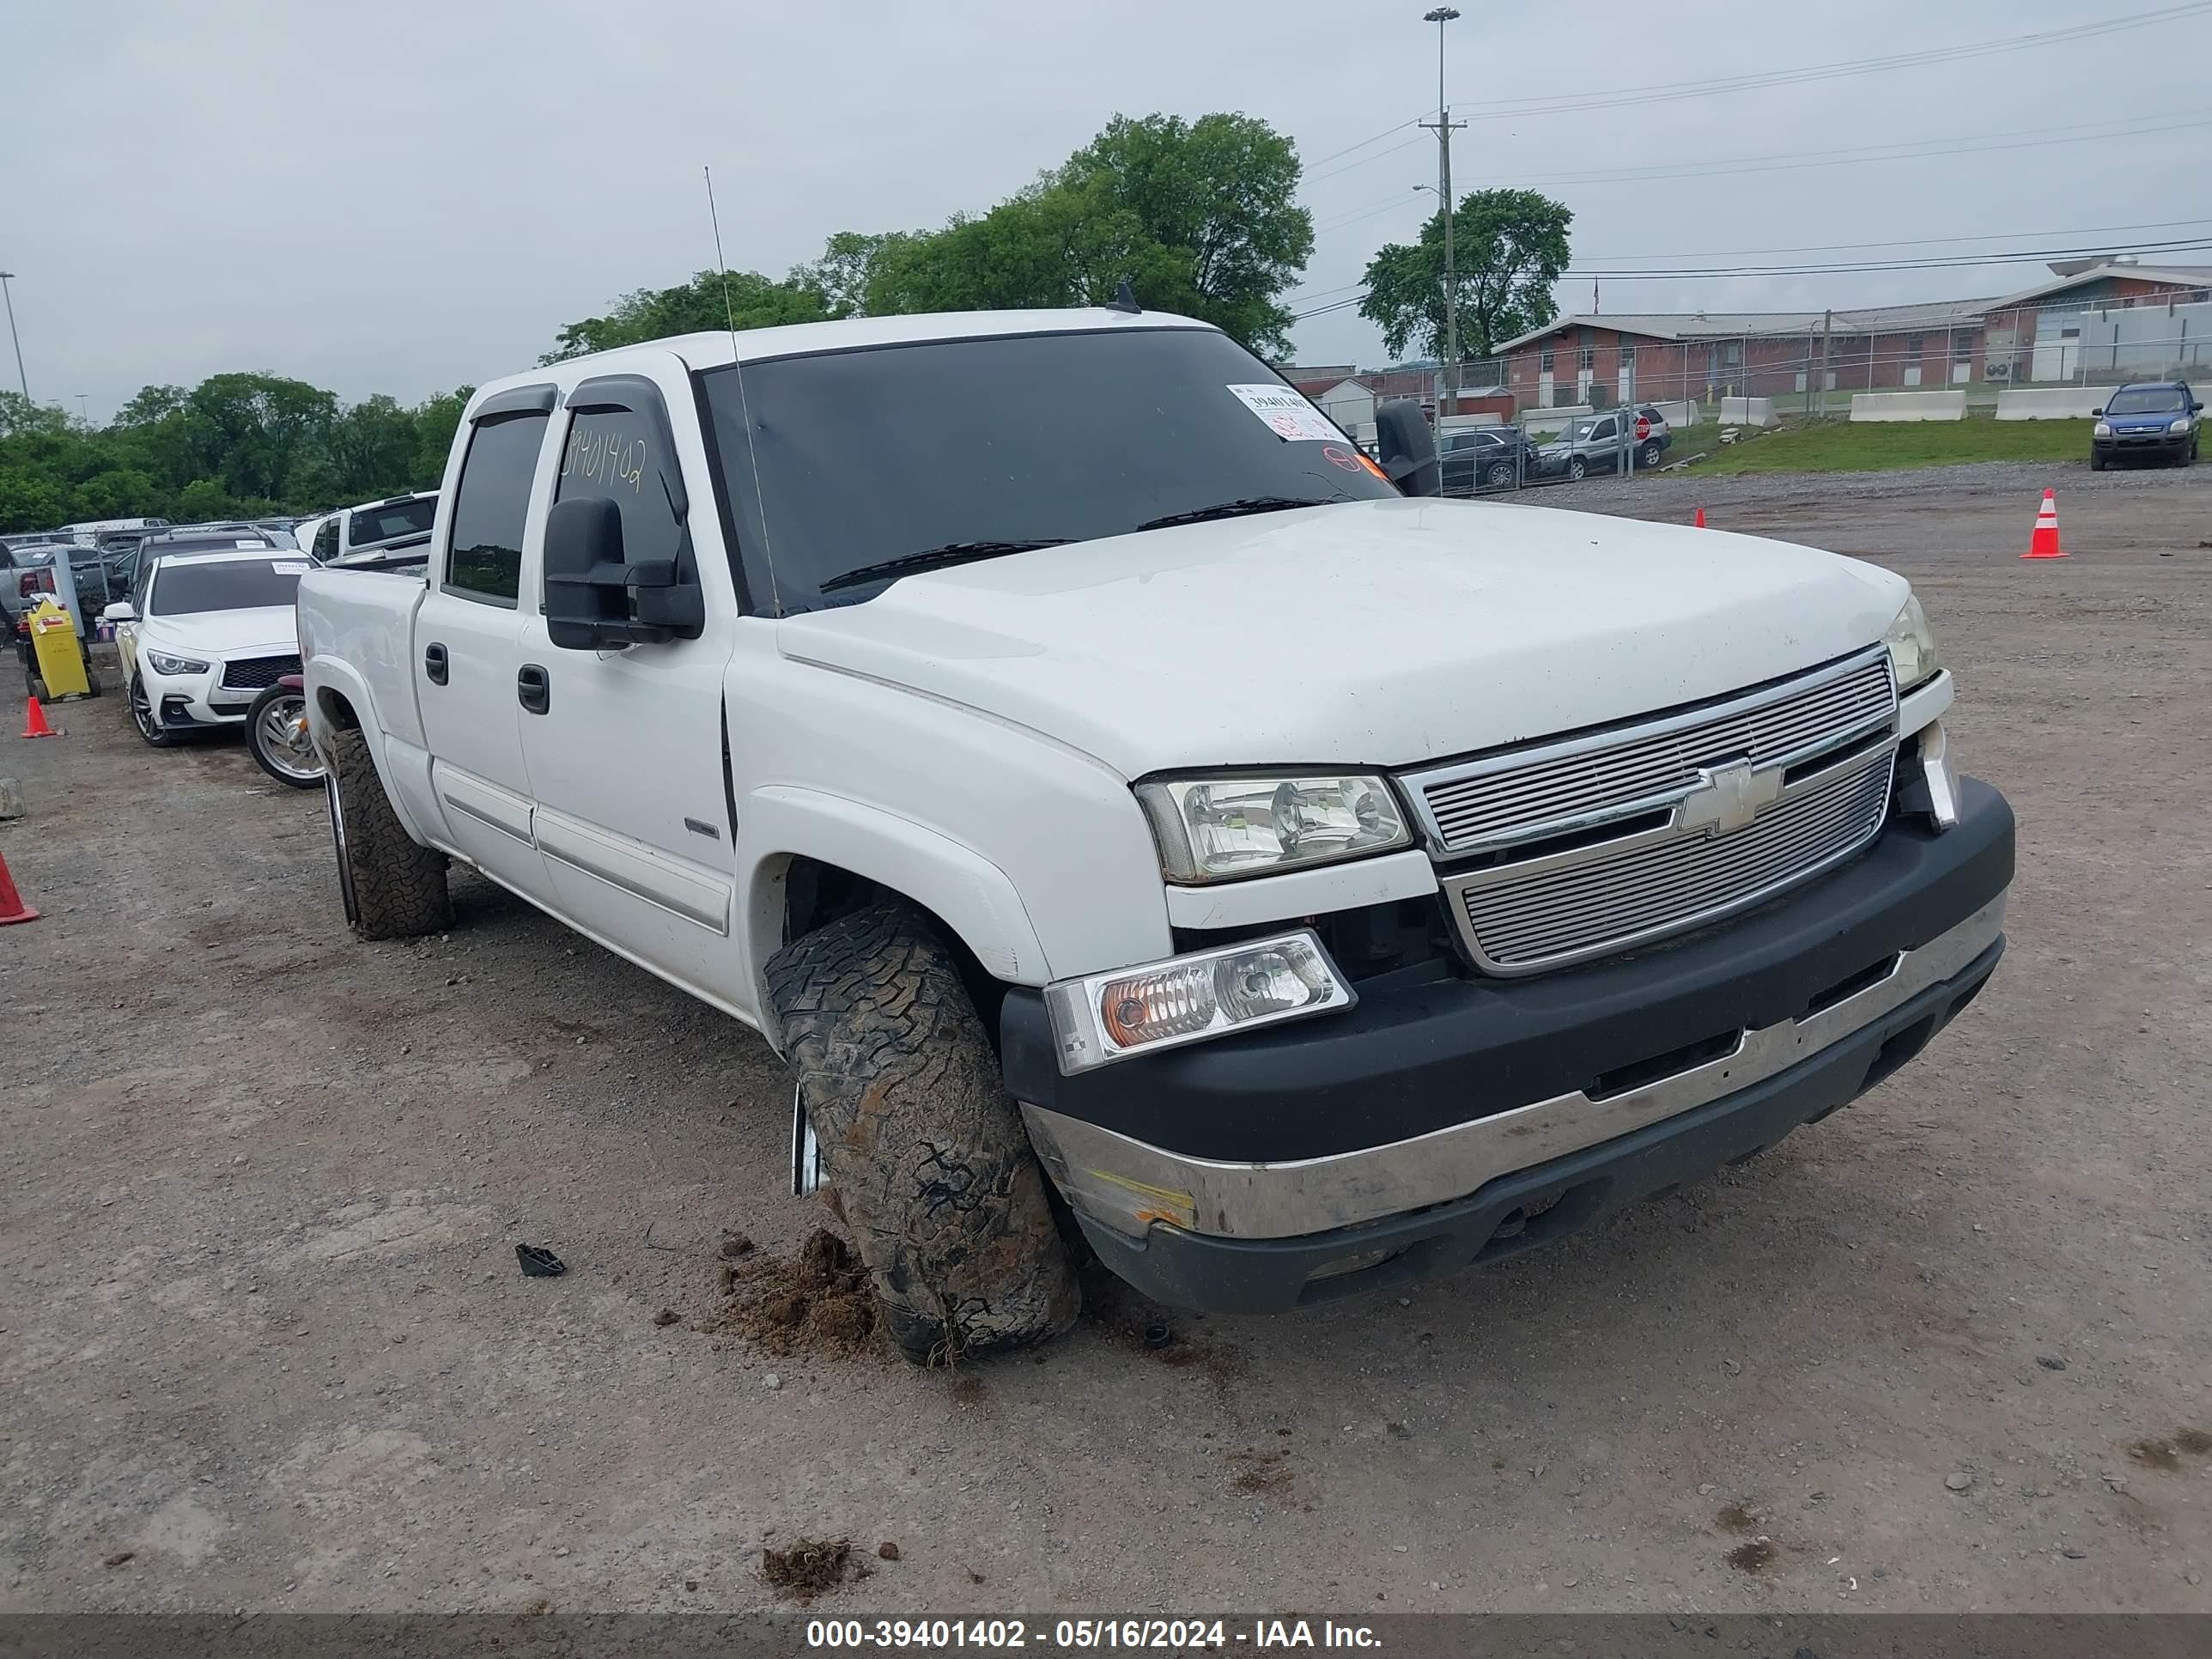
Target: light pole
84 408
9 294
1440 16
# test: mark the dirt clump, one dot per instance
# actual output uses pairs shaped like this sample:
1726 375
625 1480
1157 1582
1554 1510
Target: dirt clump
1756 1556
888 1551
2195 1442
810 1567
1263 1472
817 1302
2156 1454
1734 1518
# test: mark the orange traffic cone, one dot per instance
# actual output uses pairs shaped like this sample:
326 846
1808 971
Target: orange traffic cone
12 907
1700 524
2044 543
34 724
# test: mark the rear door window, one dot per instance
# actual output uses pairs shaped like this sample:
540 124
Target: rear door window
492 503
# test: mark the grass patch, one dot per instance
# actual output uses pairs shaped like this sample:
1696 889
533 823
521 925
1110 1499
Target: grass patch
1836 446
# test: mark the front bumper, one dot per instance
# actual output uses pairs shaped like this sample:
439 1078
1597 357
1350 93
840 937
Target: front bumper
1452 1121
2158 442
183 701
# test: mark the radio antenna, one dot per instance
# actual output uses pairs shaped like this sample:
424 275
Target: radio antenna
738 368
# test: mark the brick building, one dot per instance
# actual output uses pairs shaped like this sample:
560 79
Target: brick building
2058 330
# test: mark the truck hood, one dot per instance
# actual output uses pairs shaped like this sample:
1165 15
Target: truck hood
1379 632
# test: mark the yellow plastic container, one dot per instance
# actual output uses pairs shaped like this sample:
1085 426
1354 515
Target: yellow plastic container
53 642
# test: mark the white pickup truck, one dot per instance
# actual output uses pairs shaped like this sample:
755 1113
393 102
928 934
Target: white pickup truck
1091 773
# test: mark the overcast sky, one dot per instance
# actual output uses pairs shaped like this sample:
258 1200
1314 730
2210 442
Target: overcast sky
406 197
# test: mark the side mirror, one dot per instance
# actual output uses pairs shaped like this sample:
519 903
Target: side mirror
1407 447
2097 414
120 611
594 598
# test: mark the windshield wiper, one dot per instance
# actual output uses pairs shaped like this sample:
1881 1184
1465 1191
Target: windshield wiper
1238 509
936 558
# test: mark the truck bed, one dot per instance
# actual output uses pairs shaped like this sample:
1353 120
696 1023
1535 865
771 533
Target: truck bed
361 622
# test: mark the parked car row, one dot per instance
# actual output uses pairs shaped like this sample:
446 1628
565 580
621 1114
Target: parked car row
202 613
1483 460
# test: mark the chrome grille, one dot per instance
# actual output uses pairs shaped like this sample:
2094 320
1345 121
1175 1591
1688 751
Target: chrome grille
1545 912
257 673
1528 794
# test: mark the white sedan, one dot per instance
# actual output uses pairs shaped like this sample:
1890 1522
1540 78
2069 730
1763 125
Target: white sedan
203 634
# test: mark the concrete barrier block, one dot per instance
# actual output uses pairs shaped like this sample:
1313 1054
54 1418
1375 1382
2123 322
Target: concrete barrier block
1908 405
1748 411
2056 403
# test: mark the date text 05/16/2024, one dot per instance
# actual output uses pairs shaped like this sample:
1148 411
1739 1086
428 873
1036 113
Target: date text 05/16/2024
1081 1635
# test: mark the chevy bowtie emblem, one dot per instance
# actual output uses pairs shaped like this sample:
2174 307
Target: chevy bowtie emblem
1728 797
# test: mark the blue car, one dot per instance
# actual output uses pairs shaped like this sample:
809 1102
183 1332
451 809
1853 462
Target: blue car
2148 421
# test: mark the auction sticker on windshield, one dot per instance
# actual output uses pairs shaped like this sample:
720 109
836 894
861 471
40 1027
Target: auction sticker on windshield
1288 415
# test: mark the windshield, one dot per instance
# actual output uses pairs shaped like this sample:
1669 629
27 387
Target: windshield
983 449
188 590
2146 400
390 522
1576 431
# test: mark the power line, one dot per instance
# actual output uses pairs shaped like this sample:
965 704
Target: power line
1946 262
1323 160
1722 167
2133 126
1670 92
2017 256
1910 241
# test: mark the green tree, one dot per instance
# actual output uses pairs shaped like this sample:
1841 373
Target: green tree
847 265
692 307
20 418
435 423
253 430
1509 248
1217 196
372 448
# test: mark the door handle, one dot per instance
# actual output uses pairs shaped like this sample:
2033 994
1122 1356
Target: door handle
434 663
531 688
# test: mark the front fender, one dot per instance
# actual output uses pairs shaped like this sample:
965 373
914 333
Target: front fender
964 890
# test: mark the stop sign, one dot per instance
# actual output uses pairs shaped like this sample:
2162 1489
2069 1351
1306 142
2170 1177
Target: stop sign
1643 427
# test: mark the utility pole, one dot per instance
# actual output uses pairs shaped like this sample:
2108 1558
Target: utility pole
1442 126
1827 329
9 294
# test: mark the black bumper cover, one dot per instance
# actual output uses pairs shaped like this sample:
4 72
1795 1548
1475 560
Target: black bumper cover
1535 1205
1415 1057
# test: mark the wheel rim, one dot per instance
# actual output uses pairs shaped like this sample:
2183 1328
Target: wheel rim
142 712
281 734
338 844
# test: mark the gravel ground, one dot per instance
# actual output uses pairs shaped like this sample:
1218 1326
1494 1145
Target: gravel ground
265 1345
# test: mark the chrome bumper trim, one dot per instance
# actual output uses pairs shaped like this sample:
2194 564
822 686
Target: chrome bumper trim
1128 1185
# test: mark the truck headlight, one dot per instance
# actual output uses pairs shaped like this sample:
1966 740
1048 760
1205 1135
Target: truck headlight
161 663
2102 429
1911 645
1213 828
1108 1016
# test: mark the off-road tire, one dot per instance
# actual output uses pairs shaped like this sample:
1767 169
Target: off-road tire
925 1148
393 887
